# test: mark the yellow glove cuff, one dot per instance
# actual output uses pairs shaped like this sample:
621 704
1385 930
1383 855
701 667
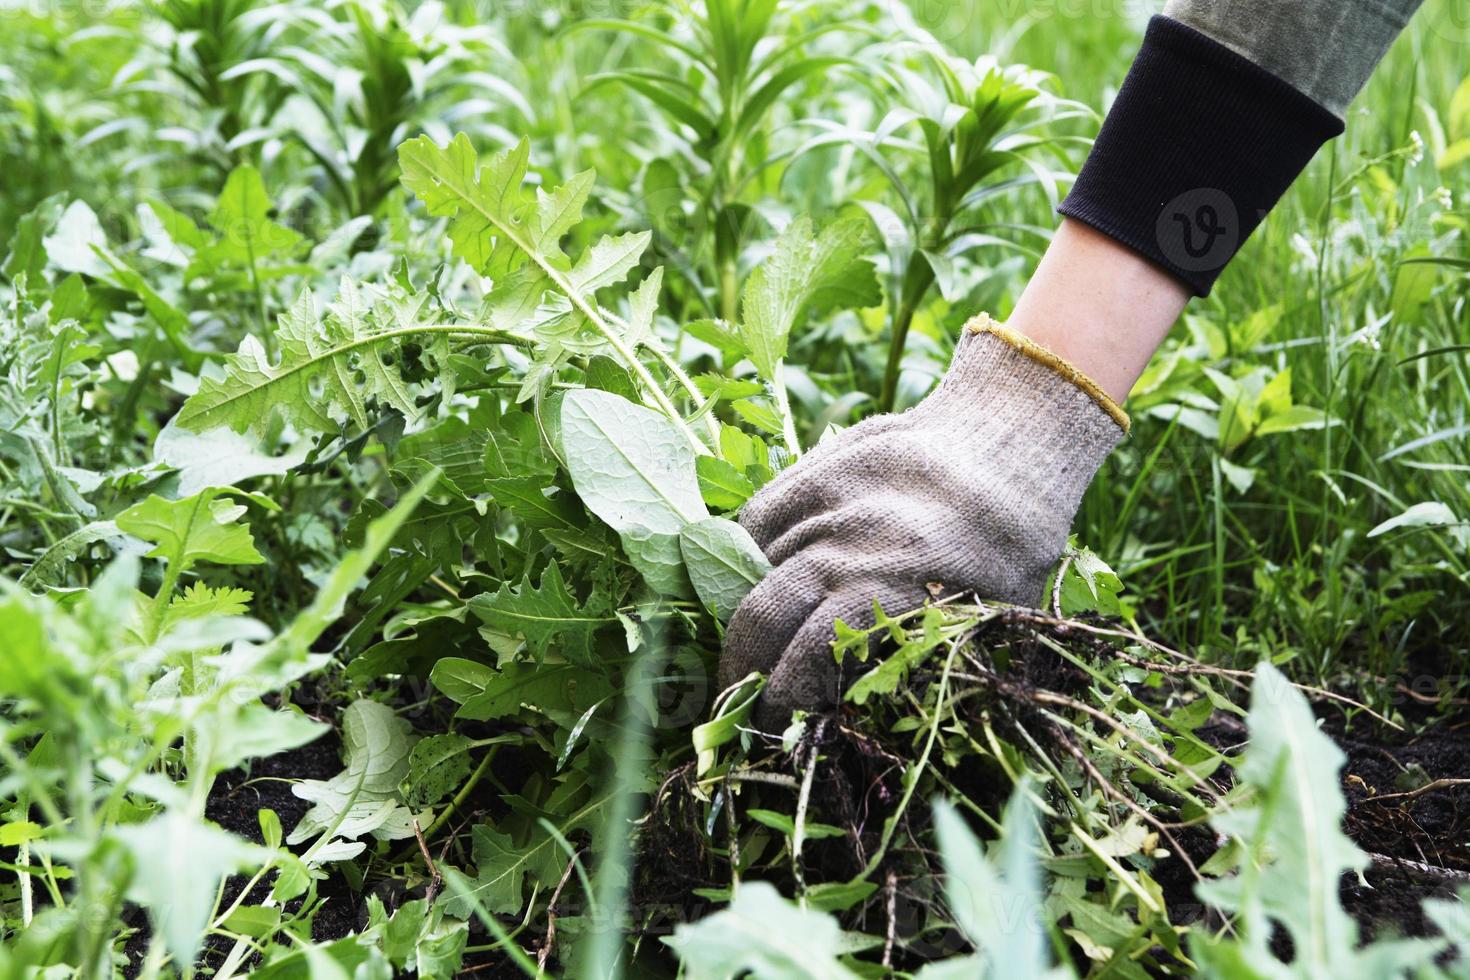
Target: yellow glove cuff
983 323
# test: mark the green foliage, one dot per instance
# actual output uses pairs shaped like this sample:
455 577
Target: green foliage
806 276
635 471
723 561
364 797
330 369
545 615
463 495
718 78
994 897
93 698
201 528
764 934
381 73
182 862
976 120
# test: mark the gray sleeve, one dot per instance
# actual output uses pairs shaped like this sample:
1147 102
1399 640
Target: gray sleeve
1325 49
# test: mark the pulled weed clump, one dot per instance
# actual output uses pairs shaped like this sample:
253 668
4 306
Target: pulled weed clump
1129 760
977 704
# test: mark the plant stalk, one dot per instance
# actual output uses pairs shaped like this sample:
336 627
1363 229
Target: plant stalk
916 283
463 794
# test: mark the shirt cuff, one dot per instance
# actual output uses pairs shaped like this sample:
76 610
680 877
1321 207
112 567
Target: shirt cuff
1198 147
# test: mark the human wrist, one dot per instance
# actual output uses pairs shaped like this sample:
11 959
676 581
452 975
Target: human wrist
1001 377
1099 305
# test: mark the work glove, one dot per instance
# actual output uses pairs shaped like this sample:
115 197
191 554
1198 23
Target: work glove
972 490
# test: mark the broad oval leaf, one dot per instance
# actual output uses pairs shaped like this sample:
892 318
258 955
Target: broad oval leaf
634 469
723 561
630 465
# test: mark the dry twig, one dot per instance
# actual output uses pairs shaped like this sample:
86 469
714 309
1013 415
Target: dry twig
1445 783
436 880
544 953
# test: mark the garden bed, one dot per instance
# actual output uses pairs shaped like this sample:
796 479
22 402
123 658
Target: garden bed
1408 808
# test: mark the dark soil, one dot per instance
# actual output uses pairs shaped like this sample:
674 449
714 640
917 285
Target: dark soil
1384 815
1417 831
239 795
235 803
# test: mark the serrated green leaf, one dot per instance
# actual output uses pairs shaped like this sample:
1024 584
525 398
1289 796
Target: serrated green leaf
502 867
561 690
642 308
759 414
199 601
329 368
1294 850
493 225
501 870
444 178
546 615
609 261
806 275
198 528
50 562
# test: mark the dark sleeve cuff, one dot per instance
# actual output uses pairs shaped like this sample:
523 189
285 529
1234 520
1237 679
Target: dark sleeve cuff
1198 147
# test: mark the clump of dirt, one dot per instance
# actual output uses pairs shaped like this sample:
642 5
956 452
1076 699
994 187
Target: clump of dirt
1411 801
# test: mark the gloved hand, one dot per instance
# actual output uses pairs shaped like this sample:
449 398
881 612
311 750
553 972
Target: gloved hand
973 489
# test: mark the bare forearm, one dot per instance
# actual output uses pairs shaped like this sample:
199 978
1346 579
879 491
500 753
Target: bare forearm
1099 305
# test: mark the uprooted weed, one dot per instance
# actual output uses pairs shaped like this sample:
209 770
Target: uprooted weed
1128 746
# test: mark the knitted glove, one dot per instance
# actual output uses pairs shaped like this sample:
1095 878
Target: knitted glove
974 489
